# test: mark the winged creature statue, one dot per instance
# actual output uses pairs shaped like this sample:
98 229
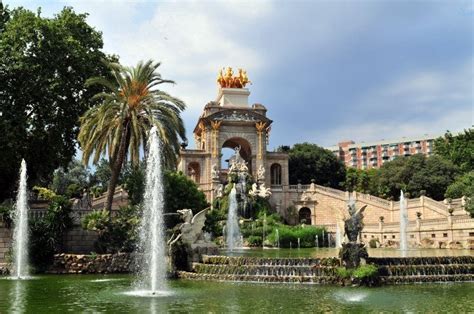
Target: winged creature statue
354 224
191 229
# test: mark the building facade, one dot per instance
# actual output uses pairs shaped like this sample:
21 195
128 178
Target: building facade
374 154
230 122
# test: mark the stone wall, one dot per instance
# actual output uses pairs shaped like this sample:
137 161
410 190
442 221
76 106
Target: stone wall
5 242
92 264
78 240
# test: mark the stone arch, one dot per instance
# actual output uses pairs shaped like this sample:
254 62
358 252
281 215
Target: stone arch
275 174
304 215
245 148
194 171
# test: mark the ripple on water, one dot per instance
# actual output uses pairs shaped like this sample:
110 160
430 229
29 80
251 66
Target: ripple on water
149 293
350 296
106 280
19 278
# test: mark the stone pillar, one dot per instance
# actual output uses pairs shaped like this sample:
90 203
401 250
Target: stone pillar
260 126
450 227
418 229
381 231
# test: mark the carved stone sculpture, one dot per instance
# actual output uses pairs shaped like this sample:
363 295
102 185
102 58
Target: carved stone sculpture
352 252
215 172
191 229
261 173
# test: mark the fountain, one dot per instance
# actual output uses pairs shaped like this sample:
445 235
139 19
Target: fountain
152 243
403 225
316 241
277 238
338 237
233 235
20 233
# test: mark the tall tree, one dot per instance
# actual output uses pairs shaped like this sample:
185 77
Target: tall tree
415 174
309 161
44 63
119 126
457 148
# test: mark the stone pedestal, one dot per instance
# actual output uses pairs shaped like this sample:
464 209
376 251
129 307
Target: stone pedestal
234 97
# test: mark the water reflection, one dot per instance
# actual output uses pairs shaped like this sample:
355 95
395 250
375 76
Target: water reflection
18 296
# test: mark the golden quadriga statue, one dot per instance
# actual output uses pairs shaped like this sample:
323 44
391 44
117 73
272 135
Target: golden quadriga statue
226 78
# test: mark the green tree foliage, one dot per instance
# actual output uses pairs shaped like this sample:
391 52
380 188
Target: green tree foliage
120 124
462 186
181 192
71 181
416 173
44 63
457 148
47 233
309 161
363 181
116 234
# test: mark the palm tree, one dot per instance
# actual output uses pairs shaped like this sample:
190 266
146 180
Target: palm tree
129 107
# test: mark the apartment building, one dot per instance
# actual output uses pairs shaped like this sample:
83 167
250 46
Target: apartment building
374 154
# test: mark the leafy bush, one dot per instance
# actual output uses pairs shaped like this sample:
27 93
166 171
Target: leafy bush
117 234
47 233
344 273
290 234
97 220
6 215
255 241
367 271
44 193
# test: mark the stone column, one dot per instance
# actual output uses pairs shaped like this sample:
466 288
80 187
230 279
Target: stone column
418 229
260 126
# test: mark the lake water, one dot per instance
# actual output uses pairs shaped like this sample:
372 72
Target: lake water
107 294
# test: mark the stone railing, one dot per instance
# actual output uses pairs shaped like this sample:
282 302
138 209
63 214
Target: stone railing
436 206
374 199
331 190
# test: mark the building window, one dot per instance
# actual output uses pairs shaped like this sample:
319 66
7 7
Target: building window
471 234
412 236
384 236
433 235
393 236
445 235
275 171
365 236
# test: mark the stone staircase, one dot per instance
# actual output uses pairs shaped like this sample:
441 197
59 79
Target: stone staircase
324 270
292 270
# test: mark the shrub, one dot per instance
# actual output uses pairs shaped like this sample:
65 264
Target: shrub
6 215
344 273
117 234
97 220
254 241
44 193
290 234
47 233
367 275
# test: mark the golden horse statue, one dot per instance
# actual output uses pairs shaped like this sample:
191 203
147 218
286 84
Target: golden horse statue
228 80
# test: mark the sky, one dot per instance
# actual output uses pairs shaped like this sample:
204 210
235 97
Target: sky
327 71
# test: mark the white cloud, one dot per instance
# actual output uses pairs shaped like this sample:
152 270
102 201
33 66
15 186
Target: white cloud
427 102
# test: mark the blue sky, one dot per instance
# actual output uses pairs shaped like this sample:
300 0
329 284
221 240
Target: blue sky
325 70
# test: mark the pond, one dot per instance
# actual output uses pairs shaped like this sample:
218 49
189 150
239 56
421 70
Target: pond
89 293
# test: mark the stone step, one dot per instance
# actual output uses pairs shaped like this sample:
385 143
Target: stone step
429 278
268 261
427 270
254 278
259 270
410 261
